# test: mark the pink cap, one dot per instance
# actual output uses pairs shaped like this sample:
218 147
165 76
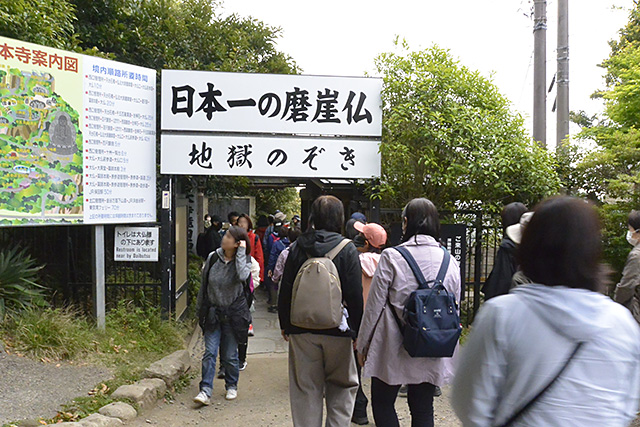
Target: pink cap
374 233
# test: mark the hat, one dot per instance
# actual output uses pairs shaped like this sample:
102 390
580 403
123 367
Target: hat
359 216
374 233
279 217
296 217
514 232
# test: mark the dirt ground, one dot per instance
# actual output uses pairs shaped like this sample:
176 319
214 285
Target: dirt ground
263 400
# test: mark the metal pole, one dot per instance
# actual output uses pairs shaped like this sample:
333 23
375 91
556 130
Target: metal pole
540 72
98 276
562 128
167 242
477 266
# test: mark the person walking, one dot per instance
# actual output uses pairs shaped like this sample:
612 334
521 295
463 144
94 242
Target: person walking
222 310
555 352
627 291
380 341
374 239
321 361
210 239
504 265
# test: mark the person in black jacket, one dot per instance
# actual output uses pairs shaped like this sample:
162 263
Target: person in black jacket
504 266
210 240
322 361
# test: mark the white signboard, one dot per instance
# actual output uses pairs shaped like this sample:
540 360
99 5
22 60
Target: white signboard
120 142
77 138
269 156
136 244
271 103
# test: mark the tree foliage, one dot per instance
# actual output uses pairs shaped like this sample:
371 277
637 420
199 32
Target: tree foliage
610 173
449 135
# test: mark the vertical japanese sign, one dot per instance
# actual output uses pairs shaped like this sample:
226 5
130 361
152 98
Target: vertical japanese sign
77 138
268 125
454 238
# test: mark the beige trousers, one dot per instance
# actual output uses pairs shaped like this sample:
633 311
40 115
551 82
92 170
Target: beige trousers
322 365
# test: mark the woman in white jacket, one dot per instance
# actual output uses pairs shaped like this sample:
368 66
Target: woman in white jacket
556 352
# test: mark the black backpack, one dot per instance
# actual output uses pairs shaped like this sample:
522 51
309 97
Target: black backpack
431 322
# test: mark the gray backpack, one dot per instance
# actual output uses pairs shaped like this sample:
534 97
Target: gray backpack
316 302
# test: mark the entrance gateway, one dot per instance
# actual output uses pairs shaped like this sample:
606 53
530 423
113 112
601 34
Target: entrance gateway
318 132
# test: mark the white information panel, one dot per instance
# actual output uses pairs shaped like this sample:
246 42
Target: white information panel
269 156
136 244
119 143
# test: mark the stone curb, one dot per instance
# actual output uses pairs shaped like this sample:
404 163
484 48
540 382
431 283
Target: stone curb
145 393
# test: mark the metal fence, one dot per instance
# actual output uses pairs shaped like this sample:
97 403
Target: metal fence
67 255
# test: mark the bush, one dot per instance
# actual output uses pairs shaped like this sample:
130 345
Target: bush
48 333
18 276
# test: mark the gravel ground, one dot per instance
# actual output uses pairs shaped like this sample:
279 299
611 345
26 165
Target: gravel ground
30 389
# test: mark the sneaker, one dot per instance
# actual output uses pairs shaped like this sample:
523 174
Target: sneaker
221 374
202 398
361 421
232 393
437 392
243 365
251 330
273 309
404 390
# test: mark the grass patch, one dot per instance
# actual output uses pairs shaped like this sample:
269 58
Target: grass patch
134 337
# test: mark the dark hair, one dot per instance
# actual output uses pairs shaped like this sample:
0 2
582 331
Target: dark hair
207 215
349 230
240 233
511 214
293 234
263 221
634 220
327 213
248 218
422 218
562 244
271 219
231 215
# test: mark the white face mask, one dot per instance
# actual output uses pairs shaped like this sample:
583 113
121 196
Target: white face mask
632 241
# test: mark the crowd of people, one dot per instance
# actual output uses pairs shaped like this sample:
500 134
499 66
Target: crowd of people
547 348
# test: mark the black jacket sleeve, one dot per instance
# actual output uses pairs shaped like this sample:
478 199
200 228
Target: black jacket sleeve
350 273
499 281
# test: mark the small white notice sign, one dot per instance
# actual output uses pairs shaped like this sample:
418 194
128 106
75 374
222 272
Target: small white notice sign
136 244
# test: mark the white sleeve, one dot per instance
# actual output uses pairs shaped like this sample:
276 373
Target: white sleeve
255 272
481 371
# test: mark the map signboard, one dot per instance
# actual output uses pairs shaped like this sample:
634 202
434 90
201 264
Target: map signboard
77 138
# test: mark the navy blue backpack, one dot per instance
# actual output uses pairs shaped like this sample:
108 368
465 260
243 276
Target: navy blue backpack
431 322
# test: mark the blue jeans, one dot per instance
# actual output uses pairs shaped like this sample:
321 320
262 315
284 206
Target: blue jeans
222 337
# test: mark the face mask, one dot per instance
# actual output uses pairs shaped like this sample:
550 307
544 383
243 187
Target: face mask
632 241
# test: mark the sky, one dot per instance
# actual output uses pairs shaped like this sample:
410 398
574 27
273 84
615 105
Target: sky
342 37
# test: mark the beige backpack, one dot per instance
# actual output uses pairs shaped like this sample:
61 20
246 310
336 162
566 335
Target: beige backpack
316 302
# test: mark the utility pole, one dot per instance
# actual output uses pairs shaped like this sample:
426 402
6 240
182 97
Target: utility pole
540 72
562 128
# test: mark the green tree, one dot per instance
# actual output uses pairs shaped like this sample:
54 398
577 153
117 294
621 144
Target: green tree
610 173
46 22
449 135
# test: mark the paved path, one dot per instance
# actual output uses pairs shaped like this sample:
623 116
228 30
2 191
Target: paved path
263 392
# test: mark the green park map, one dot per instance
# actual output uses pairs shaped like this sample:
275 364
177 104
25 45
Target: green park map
40 151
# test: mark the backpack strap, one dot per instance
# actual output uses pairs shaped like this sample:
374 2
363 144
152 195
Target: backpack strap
515 417
337 249
442 273
422 282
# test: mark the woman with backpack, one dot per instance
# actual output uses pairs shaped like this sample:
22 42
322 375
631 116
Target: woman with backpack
222 310
380 340
555 352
